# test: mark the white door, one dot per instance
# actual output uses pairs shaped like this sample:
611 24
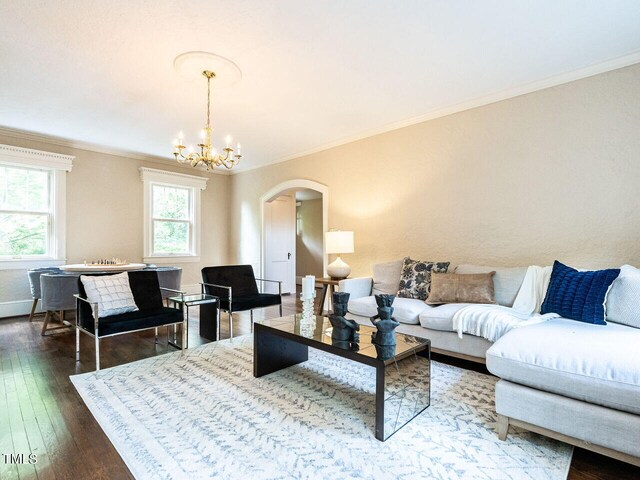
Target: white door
280 243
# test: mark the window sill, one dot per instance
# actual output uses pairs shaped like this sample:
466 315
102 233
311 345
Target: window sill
172 259
27 263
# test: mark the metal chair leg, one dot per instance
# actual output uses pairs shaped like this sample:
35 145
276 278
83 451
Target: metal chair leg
77 344
281 309
217 325
251 312
97 354
230 325
33 309
184 337
156 331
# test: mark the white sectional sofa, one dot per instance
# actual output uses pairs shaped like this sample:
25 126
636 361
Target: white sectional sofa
419 319
573 381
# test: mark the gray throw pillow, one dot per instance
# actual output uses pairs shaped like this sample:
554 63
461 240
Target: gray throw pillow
415 281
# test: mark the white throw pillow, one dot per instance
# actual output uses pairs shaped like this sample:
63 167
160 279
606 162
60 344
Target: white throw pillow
623 300
112 293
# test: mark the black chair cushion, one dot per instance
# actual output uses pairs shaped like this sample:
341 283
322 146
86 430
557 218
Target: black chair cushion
239 277
249 302
140 320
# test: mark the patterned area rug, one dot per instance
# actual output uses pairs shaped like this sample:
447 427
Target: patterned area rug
204 415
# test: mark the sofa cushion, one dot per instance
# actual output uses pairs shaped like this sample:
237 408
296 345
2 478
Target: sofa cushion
405 310
441 317
506 281
598 364
624 296
386 277
578 295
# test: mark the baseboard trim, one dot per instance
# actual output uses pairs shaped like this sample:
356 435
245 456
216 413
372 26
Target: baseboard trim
18 308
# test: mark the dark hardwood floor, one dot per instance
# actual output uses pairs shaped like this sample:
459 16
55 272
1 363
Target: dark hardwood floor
41 413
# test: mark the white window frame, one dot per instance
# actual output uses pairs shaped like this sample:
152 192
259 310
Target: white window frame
58 165
195 184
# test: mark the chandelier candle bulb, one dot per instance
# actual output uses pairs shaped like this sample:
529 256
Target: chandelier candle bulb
228 139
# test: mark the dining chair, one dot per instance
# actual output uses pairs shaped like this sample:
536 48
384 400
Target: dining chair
34 284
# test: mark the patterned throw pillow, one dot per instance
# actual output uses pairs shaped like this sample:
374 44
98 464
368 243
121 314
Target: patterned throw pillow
415 281
112 293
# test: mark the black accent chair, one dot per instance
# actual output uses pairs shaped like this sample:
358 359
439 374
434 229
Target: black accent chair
151 312
237 288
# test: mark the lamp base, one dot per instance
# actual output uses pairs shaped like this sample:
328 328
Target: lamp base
338 270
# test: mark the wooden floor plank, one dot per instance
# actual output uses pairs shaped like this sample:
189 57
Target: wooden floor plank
24 384
8 470
41 410
16 405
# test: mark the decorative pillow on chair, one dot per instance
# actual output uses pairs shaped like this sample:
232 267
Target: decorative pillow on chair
461 288
416 277
578 295
112 293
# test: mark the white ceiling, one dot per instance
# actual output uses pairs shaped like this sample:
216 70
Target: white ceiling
315 73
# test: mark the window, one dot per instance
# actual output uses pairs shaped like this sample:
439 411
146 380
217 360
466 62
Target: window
25 212
32 203
172 215
172 220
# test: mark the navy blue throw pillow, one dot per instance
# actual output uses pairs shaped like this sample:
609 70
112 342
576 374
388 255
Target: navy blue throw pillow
578 295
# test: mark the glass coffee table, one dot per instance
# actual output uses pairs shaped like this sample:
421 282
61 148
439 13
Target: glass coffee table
402 373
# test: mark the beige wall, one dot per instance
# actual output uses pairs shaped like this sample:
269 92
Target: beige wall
105 213
309 238
552 174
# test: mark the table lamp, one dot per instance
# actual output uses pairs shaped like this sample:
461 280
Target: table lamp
340 243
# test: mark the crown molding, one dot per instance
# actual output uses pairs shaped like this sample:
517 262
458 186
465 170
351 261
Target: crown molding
28 156
93 147
548 82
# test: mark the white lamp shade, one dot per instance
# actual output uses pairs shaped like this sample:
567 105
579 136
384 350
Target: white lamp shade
339 242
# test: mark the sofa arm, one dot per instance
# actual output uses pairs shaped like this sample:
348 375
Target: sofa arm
357 287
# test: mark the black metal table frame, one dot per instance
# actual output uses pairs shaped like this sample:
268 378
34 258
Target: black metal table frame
275 350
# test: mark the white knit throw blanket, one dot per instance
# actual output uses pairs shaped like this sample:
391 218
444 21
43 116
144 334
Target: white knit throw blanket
493 321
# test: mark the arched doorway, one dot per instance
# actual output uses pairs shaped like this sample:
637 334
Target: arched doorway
274 207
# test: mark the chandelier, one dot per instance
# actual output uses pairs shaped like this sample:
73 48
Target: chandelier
206 154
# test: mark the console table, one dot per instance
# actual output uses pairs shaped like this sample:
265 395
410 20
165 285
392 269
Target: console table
328 286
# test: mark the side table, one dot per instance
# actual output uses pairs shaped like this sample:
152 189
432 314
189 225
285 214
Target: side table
209 315
328 285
